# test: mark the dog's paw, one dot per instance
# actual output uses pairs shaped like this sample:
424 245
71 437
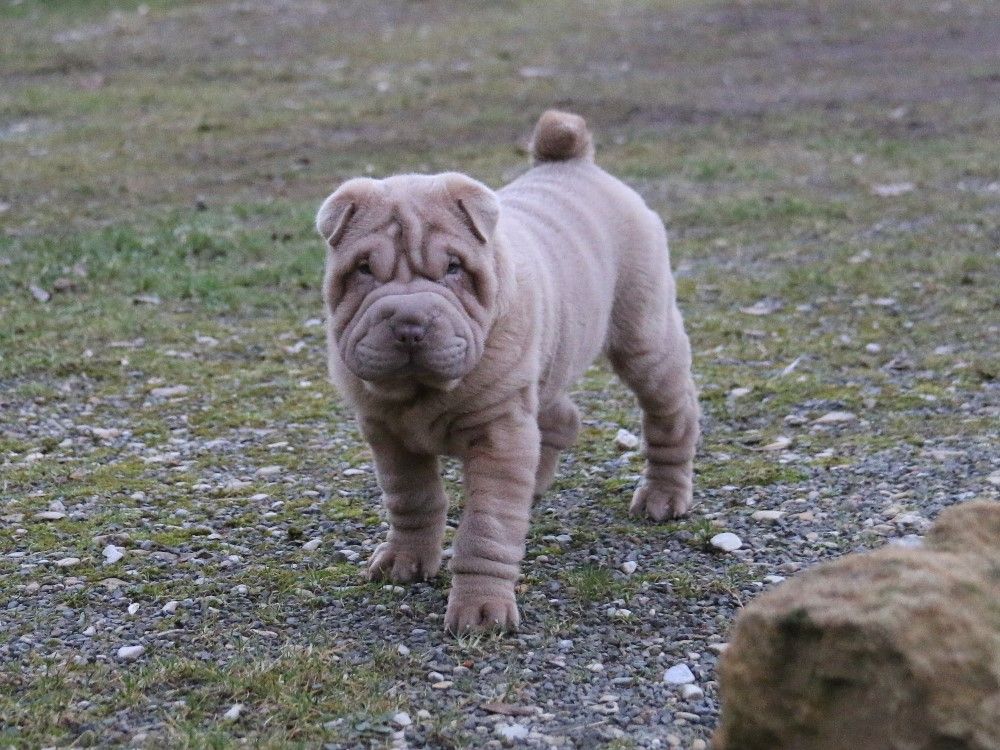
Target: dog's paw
403 564
659 503
480 612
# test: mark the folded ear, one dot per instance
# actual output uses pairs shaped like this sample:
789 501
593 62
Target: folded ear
338 209
476 203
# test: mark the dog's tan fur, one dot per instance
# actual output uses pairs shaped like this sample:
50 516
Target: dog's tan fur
458 319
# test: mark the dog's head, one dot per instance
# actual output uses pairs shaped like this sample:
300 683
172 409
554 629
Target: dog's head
413 276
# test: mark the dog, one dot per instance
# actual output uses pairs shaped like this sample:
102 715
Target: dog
458 317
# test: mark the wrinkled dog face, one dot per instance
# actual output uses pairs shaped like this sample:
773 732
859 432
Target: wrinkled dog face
412 276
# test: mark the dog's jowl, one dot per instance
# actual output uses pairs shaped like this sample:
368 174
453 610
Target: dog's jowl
458 317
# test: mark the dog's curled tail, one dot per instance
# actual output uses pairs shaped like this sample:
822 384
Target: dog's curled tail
561 136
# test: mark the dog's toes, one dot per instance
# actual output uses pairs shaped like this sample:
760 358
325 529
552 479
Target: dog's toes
481 615
402 565
659 504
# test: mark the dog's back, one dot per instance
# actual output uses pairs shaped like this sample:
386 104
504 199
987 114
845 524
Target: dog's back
597 252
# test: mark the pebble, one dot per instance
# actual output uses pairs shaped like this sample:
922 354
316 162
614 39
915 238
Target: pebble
131 653
403 650
512 732
628 567
625 439
312 544
67 562
699 745
768 516
112 554
679 674
727 541
233 713
690 692
836 417
49 515
402 719
171 606
133 608
443 685
169 391
774 578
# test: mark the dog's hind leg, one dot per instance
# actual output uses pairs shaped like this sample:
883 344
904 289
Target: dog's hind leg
649 350
662 382
559 424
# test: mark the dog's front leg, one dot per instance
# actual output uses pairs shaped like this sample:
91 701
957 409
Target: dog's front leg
418 507
489 544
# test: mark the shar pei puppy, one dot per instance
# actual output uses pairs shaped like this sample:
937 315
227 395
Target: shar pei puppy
458 317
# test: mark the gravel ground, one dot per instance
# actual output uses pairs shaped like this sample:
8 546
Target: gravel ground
598 636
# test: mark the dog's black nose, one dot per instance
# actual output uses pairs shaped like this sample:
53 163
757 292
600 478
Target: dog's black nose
409 332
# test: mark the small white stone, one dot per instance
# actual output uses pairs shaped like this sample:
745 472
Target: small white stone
774 579
893 189
68 562
994 478
699 745
512 732
403 650
105 433
91 630
131 653
595 666
112 554
423 713
679 674
628 567
171 606
718 648
435 677
625 439
778 444
233 713
739 392
768 516
269 471
312 544
836 417
727 541
443 685
49 515
354 472
133 608
691 692
873 348
402 719
169 391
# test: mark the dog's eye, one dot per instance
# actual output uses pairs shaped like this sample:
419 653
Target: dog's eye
364 268
454 267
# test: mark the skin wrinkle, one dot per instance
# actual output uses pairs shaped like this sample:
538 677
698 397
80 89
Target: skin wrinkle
561 265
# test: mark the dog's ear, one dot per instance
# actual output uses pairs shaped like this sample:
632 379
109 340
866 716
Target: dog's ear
338 209
476 204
